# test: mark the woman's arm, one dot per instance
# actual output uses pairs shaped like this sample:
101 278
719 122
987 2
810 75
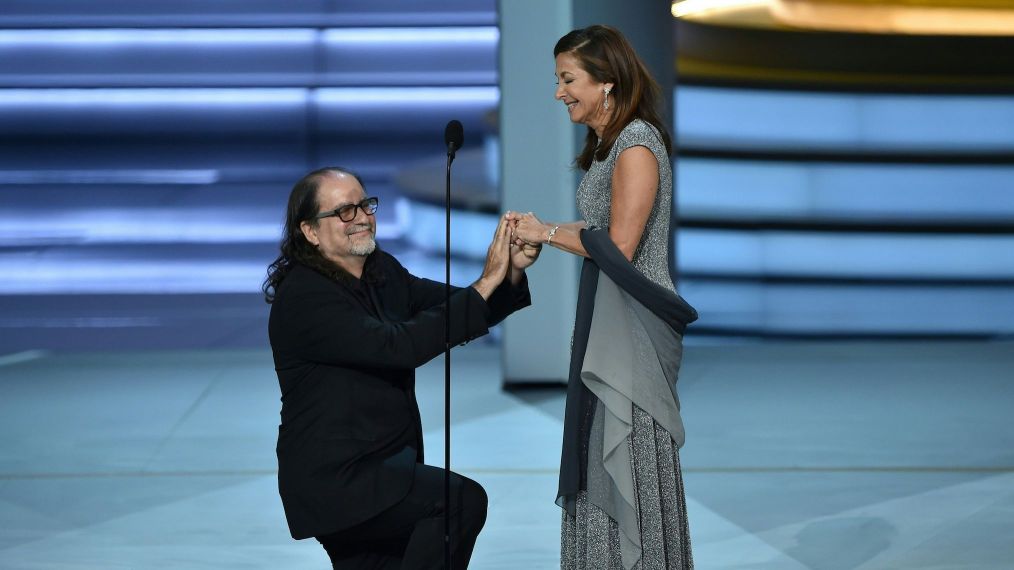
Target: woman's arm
567 236
634 188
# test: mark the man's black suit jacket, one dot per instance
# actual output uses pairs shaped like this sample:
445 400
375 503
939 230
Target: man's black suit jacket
350 435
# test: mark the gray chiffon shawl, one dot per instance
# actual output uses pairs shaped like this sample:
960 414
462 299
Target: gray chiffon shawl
627 351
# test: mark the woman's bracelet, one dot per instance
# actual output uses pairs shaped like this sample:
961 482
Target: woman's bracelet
552 232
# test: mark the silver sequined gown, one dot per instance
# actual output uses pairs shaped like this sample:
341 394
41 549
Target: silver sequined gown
590 540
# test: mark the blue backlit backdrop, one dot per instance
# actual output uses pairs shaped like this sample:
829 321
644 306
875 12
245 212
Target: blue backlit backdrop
145 158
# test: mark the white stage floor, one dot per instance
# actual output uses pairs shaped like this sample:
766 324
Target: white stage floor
799 455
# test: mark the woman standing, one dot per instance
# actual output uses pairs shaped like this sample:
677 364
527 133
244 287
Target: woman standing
620 483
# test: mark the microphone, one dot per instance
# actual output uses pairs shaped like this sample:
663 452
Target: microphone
454 136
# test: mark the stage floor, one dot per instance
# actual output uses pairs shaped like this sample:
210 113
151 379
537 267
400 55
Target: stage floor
799 455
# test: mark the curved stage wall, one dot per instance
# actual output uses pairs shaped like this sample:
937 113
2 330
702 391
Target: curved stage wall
815 213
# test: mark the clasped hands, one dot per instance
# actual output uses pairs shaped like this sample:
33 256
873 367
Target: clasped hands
515 247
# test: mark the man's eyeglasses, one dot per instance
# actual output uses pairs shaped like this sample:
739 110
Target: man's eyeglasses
347 213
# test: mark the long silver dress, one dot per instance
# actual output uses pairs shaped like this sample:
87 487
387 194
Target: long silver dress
590 539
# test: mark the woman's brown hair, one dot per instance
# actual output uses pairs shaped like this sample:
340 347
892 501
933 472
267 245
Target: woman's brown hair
608 57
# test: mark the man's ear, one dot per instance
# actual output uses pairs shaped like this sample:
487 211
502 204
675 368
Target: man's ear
309 232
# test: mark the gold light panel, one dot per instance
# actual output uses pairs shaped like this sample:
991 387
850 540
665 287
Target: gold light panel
951 17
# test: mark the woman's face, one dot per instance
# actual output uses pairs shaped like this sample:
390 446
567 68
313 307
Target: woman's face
581 93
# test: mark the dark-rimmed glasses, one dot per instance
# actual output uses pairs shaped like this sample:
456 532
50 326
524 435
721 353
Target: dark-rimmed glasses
347 213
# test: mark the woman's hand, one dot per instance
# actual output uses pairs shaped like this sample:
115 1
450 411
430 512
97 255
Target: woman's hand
529 229
523 254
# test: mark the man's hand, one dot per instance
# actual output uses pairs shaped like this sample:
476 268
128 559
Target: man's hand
523 256
498 260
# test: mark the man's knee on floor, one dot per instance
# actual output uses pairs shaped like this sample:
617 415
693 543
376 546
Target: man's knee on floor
474 502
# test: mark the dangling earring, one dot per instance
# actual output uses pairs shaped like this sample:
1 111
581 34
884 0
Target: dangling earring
605 102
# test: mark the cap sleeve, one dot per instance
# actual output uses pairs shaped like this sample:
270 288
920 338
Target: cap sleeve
640 133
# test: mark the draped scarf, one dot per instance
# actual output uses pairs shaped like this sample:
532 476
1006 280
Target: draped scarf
627 349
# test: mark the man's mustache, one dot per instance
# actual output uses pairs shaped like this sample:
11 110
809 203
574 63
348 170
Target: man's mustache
357 228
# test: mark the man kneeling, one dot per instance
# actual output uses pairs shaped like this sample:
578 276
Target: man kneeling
348 327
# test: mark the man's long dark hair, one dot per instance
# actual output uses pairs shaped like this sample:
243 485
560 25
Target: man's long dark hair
608 57
295 249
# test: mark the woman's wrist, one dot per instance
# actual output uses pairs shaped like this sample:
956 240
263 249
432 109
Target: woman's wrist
551 233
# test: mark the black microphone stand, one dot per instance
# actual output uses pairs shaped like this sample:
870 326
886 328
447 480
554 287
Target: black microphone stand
453 137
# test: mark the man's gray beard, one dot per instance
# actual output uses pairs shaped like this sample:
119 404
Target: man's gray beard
364 247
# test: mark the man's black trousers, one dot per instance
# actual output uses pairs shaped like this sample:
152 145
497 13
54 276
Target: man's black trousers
410 535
